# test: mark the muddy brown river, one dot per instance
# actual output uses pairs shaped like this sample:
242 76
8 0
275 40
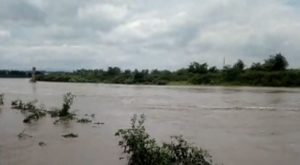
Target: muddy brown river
237 125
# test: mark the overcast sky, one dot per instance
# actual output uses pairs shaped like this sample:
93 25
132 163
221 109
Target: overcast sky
164 34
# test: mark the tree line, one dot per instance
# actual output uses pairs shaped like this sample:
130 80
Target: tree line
271 72
14 74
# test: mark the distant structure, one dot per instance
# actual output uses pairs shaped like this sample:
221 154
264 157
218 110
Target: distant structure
33 76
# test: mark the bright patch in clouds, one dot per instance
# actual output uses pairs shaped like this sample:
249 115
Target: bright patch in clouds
107 11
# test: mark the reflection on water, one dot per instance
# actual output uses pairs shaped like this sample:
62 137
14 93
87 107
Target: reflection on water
238 125
33 85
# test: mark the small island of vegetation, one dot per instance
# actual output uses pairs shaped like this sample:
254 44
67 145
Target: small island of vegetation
272 72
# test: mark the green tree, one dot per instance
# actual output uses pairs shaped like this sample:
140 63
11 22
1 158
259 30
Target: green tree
231 74
213 69
195 67
239 66
256 67
113 71
276 63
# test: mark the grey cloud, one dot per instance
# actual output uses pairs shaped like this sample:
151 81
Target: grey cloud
66 35
20 13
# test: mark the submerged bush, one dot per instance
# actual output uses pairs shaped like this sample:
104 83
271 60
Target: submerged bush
35 115
29 108
1 99
70 135
64 112
24 106
84 120
143 150
68 101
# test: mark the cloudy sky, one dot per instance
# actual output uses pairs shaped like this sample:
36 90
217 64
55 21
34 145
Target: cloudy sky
164 34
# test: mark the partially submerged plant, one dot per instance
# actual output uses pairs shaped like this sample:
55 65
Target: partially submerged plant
35 115
84 120
182 152
99 123
29 108
68 101
70 135
42 144
142 149
17 104
1 99
23 106
64 112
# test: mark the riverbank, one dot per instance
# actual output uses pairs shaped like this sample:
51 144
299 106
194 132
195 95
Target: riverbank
273 72
287 78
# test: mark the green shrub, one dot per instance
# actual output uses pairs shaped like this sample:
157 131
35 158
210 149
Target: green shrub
143 150
68 101
183 153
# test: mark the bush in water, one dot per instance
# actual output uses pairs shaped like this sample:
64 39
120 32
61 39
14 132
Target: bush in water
142 149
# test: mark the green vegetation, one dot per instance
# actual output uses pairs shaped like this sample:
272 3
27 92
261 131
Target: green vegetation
68 101
17 73
273 72
142 149
14 74
19 104
64 112
34 113
30 109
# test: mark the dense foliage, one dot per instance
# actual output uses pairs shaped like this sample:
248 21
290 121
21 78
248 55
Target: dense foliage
273 72
17 74
142 149
14 73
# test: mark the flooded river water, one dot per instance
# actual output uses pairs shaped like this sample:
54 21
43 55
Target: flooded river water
237 125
